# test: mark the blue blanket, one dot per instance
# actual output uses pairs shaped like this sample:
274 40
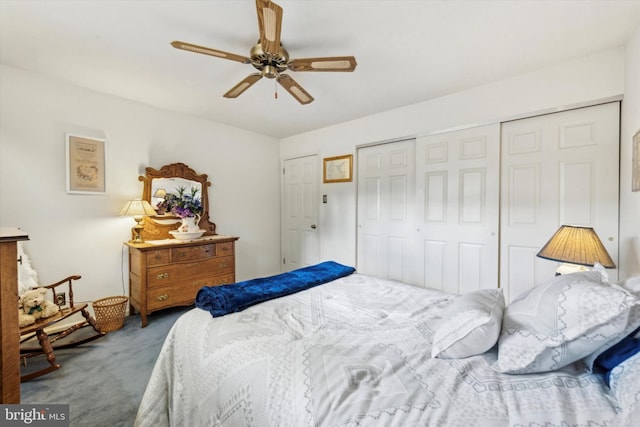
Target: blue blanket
220 300
617 354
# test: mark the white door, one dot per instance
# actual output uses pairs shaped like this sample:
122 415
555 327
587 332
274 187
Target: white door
386 176
300 239
457 196
557 169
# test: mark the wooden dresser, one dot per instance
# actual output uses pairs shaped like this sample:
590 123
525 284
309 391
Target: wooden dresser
9 329
170 273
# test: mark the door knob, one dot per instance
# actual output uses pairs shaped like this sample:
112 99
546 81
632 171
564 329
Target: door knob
313 226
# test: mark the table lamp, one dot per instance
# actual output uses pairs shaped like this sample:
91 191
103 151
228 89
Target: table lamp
157 199
577 248
138 209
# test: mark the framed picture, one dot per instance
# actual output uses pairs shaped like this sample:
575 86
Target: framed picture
338 169
635 172
86 165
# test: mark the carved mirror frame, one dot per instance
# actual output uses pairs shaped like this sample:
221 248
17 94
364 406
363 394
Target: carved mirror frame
158 227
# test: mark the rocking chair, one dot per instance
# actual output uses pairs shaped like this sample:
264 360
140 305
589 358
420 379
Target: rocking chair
46 340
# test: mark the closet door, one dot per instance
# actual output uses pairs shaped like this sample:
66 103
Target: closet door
457 194
559 168
386 233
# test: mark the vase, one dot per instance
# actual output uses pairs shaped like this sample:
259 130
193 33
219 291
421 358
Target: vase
190 224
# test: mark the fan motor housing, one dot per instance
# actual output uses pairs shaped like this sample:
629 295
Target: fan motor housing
270 65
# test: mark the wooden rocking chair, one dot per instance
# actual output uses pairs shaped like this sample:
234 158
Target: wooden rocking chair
46 341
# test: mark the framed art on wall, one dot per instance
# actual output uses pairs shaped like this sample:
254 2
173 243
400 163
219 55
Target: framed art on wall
338 169
86 165
635 171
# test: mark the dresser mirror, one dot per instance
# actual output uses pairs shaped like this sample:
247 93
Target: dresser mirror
160 187
168 179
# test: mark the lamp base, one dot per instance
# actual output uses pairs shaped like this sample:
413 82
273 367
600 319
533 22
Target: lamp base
136 231
567 268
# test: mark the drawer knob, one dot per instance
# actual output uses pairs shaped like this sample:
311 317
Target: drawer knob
162 275
163 297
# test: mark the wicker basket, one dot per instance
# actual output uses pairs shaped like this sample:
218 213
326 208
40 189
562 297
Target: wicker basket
110 313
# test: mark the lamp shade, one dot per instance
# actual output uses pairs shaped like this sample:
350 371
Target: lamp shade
137 207
160 193
576 245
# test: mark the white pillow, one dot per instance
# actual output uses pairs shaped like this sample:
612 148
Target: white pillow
470 325
632 284
566 319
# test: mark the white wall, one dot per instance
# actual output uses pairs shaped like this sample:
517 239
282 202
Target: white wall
583 80
630 201
82 234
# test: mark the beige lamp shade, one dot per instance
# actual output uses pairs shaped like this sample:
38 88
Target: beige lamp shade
576 245
160 193
137 207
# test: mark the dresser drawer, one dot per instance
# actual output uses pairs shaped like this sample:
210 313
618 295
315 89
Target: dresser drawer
225 279
224 249
193 253
158 256
183 293
168 274
170 296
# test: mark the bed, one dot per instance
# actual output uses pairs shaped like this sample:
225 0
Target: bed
359 351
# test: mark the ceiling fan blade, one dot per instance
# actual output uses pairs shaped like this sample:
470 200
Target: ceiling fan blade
208 51
245 84
269 25
332 63
295 89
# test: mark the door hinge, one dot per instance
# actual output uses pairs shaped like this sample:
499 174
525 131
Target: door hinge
284 261
283 171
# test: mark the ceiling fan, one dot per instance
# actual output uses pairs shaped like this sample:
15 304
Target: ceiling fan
270 58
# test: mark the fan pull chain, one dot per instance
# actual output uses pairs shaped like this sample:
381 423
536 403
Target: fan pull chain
275 88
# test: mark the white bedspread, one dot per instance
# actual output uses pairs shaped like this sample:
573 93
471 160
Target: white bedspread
353 352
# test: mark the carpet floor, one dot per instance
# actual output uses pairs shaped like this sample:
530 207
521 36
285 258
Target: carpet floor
103 381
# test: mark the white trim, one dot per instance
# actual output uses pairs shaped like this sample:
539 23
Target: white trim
609 99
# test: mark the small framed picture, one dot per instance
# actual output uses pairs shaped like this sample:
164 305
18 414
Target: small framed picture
635 172
86 165
338 169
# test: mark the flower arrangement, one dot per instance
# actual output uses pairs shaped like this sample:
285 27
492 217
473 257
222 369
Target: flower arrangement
183 204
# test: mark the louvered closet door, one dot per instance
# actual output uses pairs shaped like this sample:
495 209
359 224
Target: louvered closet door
386 234
457 194
559 168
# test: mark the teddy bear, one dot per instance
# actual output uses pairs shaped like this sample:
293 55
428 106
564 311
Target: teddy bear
35 306
23 318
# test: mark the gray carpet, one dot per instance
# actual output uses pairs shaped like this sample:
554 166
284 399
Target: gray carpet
103 381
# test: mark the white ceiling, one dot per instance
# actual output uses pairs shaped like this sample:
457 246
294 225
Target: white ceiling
407 51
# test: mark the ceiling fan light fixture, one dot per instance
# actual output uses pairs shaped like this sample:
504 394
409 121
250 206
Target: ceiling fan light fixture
271 59
270 72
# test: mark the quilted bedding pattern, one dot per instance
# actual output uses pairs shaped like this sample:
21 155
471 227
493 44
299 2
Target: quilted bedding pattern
352 352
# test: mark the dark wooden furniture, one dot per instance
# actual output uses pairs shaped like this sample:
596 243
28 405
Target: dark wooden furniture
9 330
170 274
35 341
